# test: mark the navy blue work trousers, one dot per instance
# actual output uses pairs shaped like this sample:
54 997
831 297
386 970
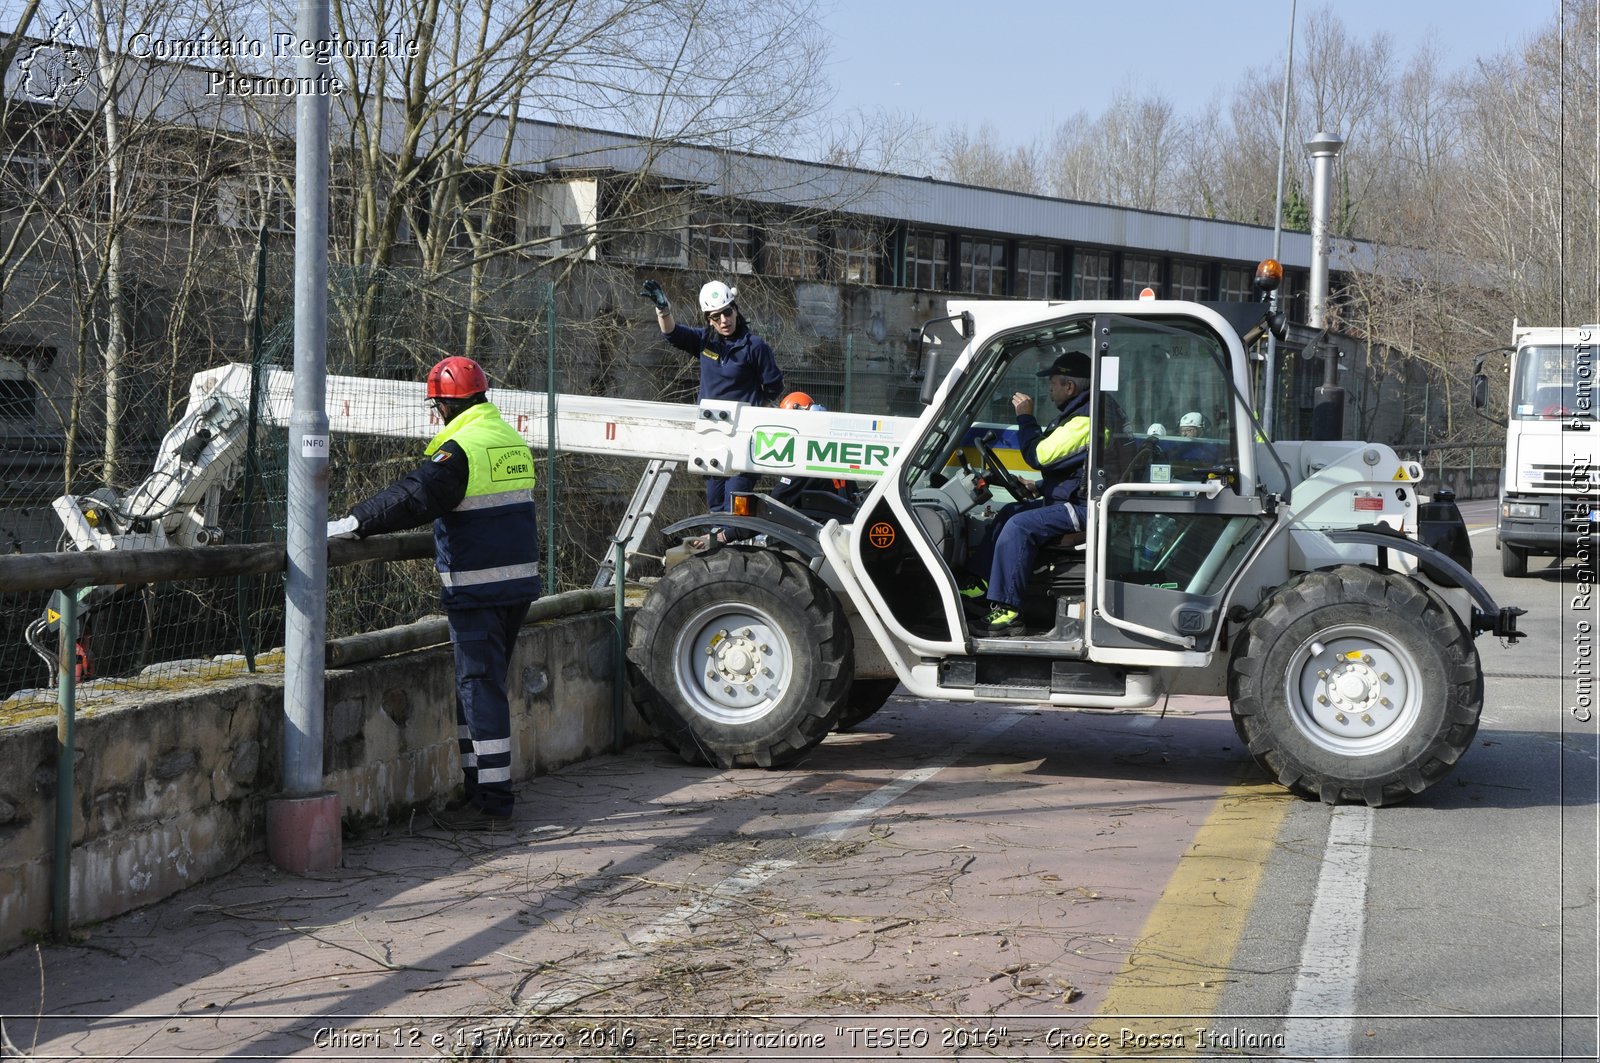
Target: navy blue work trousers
720 490
482 639
1020 528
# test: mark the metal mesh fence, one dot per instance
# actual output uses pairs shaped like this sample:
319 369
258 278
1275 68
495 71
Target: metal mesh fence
383 327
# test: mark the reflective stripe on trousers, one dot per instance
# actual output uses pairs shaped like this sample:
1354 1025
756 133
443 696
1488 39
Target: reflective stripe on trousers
482 639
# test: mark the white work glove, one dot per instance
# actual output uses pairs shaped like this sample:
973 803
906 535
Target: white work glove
344 528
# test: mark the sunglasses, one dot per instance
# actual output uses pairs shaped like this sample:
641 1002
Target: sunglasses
726 311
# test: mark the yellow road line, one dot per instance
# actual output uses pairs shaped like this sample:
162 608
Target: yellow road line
1184 951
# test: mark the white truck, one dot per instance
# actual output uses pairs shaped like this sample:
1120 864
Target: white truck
1285 575
1547 486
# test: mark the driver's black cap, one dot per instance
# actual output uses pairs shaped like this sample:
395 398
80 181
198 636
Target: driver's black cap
1072 363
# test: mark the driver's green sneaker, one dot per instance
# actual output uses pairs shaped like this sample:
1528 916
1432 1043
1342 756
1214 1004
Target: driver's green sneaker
1001 620
972 586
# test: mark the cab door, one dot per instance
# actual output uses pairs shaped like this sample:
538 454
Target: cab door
1172 503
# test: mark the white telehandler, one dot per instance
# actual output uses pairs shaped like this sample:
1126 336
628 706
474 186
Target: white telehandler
1288 576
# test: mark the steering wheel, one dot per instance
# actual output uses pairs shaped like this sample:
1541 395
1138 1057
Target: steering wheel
1148 453
1014 485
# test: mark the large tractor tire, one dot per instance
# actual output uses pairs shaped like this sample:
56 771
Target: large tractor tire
1355 685
740 658
866 697
1513 561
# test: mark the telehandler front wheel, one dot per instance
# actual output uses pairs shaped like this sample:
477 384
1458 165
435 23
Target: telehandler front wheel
1355 685
740 658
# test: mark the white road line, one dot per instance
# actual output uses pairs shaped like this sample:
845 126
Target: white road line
1330 960
1480 531
725 894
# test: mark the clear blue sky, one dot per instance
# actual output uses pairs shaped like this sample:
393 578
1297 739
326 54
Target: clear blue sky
1025 66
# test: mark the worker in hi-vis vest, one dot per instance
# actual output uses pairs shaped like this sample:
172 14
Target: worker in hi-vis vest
476 484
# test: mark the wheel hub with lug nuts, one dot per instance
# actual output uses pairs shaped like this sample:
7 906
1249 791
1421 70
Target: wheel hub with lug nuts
738 659
732 664
1353 690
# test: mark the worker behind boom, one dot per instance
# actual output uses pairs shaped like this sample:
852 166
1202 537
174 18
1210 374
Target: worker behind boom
1058 450
476 485
735 364
792 491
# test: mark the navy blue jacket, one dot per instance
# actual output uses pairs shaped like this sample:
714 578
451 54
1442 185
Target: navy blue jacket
426 493
740 367
486 537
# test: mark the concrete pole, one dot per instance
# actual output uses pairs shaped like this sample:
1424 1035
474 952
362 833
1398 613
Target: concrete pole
303 823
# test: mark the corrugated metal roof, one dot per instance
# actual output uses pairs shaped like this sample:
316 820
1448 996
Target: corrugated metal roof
542 147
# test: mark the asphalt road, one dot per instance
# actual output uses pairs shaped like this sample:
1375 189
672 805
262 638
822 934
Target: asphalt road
1460 925
947 881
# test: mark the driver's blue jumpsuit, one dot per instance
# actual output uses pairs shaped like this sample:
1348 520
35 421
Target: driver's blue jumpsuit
1059 451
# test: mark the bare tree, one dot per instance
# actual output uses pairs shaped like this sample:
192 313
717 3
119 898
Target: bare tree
1527 204
978 158
1126 156
428 152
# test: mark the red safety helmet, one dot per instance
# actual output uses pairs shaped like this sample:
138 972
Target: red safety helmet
796 400
456 378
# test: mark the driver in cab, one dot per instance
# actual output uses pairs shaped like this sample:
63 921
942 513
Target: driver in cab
1058 450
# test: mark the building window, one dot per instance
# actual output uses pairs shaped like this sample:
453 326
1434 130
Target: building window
558 217
1295 295
29 178
472 225
1091 275
1138 273
1038 271
485 218
927 260
723 246
1189 281
790 250
853 255
1236 285
17 399
19 396
983 267
245 202
165 195
644 224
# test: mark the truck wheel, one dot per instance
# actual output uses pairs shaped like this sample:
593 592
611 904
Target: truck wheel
866 697
740 659
1355 685
1513 561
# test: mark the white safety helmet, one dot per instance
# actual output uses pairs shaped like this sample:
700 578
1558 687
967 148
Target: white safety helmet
1192 419
715 296
1157 429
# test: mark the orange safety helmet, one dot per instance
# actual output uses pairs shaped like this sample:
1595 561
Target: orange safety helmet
796 400
456 378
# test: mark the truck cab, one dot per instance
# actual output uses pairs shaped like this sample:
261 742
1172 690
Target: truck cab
1547 485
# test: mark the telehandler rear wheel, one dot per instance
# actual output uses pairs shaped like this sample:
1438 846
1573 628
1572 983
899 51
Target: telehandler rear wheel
740 659
1355 685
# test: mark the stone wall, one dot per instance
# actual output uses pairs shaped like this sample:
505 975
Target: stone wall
1467 482
172 788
